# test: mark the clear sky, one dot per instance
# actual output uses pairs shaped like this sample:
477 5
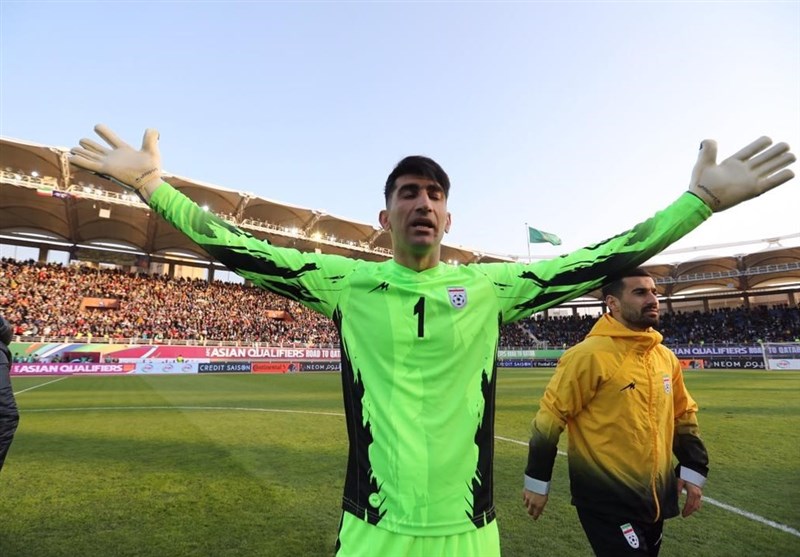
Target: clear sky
579 118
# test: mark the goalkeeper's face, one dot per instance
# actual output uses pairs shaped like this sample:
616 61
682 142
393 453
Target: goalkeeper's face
416 215
637 306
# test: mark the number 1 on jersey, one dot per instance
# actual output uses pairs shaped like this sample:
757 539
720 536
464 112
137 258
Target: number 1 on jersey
419 311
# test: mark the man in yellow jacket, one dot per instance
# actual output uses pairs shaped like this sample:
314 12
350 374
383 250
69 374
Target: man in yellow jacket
621 395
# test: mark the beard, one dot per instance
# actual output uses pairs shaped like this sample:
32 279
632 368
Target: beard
640 318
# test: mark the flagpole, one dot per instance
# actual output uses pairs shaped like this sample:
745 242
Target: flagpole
528 236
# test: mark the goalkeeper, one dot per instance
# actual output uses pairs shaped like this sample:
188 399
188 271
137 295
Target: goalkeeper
419 337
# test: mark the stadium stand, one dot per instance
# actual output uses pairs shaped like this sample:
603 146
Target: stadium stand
48 301
54 302
779 323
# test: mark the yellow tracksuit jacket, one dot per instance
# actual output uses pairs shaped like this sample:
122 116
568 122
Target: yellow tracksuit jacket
621 395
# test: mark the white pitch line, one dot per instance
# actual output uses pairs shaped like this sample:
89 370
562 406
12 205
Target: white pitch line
751 516
709 500
40 385
725 506
523 443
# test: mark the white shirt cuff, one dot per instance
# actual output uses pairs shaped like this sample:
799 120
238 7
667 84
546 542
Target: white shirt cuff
689 475
537 486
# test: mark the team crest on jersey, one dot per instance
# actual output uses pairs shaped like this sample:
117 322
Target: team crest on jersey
630 535
667 384
458 296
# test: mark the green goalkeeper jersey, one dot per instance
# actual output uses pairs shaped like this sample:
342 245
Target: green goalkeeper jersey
419 353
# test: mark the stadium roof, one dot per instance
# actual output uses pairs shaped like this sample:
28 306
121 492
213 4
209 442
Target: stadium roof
42 195
45 201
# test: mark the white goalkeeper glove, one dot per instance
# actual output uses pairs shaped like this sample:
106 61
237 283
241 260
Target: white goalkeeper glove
744 175
136 170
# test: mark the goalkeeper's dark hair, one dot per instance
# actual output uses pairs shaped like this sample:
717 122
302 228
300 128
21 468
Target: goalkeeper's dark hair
614 285
417 165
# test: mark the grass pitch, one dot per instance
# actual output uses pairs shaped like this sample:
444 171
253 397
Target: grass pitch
253 465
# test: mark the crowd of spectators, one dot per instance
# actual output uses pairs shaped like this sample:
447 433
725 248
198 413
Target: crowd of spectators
44 301
779 323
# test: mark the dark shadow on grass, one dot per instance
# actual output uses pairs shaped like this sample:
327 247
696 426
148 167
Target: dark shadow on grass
176 499
188 456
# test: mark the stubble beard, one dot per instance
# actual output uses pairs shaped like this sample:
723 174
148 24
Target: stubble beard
640 319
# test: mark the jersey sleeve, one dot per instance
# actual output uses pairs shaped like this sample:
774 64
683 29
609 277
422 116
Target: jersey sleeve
524 289
311 279
687 446
573 385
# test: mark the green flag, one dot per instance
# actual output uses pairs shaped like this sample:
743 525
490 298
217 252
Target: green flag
537 236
